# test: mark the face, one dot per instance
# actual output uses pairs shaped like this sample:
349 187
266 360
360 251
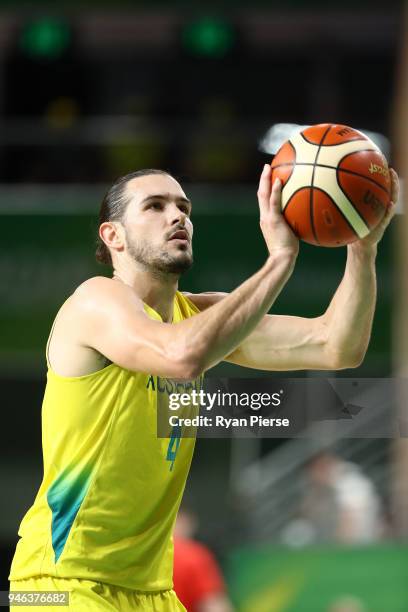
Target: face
157 224
320 470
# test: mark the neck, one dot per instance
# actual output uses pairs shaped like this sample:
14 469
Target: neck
156 289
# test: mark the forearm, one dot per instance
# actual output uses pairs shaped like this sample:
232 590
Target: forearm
217 331
350 315
349 318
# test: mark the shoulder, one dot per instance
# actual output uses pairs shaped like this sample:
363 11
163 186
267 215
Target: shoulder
98 286
95 285
100 293
206 299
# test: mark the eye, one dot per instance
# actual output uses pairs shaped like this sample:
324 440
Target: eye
156 205
184 208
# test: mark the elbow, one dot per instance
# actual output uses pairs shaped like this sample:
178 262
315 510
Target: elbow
345 361
189 370
185 362
357 360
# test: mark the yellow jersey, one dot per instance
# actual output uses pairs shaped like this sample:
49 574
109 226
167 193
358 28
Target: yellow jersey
107 504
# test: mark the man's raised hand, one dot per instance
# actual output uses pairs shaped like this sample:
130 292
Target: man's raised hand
278 235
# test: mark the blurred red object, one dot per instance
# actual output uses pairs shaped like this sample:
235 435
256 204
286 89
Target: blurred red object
197 576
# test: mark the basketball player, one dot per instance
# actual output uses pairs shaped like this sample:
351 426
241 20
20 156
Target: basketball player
101 524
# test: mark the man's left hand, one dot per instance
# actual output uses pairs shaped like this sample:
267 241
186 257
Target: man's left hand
376 234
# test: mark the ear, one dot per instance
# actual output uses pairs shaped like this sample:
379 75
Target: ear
112 235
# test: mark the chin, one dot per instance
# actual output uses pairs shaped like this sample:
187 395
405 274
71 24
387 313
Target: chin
179 265
174 263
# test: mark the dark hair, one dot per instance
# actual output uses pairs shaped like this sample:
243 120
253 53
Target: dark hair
114 205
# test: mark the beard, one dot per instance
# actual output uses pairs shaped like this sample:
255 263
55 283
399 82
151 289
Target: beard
160 262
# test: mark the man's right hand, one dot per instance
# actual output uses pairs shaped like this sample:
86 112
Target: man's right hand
276 231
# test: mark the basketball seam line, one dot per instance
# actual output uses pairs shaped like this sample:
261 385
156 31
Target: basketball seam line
291 164
355 208
339 209
330 198
345 194
367 178
351 172
311 203
335 144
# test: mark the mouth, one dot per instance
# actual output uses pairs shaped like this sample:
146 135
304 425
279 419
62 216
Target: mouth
180 235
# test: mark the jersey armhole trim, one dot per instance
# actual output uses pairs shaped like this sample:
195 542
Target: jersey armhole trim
47 357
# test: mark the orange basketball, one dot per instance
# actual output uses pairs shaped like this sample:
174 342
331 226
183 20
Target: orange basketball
336 184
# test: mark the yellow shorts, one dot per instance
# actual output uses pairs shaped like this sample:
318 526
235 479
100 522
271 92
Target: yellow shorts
89 596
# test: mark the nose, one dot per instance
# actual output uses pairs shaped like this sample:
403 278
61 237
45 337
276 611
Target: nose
177 215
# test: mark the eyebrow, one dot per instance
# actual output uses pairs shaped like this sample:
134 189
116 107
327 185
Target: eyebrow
166 196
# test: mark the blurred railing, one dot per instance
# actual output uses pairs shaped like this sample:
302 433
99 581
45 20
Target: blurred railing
270 489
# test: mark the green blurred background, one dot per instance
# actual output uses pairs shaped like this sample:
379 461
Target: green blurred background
92 90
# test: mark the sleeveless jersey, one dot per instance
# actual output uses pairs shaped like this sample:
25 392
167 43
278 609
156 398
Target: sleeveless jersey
111 488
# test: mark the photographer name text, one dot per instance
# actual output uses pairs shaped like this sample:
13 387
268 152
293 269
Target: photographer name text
227 423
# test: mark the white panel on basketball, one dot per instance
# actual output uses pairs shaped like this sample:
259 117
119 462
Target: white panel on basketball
332 154
305 151
301 178
326 179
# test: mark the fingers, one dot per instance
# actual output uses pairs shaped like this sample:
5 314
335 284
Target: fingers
394 186
269 196
276 195
264 190
390 212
